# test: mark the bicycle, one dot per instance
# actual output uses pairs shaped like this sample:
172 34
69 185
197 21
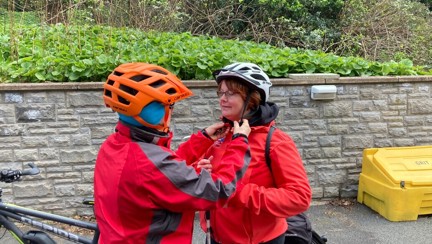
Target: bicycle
11 214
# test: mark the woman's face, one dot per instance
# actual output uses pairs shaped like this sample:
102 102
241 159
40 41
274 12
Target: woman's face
231 103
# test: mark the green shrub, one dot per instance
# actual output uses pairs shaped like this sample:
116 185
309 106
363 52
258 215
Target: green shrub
387 30
299 23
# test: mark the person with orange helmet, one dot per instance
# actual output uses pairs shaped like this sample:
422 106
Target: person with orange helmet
145 192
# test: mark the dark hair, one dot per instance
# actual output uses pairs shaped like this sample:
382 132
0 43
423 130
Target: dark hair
238 86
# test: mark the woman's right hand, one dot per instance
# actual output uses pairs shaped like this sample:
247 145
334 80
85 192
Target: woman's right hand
216 131
243 129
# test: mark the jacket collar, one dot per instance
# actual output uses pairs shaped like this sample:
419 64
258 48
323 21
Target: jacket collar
141 135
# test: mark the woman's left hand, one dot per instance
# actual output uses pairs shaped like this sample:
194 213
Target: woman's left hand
205 163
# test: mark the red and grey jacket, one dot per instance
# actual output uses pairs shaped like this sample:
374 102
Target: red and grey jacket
146 193
257 213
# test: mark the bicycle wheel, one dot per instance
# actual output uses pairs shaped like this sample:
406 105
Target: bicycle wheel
317 239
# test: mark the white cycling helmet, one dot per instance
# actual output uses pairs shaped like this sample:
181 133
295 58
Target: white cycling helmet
254 76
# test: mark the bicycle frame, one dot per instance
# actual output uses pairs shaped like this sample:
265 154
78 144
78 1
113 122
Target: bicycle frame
11 214
24 215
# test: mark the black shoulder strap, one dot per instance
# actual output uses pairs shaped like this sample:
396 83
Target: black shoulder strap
267 146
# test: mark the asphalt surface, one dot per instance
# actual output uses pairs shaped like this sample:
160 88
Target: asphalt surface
355 223
349 222
343 222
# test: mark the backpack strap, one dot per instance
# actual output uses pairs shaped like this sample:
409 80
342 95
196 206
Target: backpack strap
299 226
267 146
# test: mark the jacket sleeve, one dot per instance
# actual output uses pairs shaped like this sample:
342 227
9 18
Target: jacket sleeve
194 148
292 194
175 186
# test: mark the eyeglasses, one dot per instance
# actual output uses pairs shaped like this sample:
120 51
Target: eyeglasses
228 94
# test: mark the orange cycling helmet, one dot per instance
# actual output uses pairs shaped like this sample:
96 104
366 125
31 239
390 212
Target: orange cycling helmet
132 86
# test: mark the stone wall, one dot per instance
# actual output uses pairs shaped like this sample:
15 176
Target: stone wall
60 127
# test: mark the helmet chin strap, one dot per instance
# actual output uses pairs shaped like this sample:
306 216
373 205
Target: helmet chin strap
245 106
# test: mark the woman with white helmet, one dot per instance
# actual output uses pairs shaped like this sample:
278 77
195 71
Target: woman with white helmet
258 211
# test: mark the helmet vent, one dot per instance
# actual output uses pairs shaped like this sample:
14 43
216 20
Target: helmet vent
171 91
108 93
258 77
139 78
124 101
128 89
118 73
157 83
110 82
159 71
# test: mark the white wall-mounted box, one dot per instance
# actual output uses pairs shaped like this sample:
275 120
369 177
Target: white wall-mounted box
323 92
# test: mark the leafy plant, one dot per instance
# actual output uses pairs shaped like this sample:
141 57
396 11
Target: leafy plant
60 53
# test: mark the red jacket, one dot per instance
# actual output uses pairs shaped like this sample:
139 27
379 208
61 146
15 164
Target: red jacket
257 212
146 193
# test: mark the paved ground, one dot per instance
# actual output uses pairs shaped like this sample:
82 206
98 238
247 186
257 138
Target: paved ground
357 224
344 222
349 222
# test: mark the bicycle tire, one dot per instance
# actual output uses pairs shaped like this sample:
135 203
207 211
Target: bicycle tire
317 239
